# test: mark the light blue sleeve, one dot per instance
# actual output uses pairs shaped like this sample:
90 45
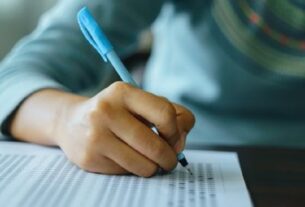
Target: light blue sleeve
56 55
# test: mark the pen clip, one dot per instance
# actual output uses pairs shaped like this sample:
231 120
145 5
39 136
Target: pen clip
93 33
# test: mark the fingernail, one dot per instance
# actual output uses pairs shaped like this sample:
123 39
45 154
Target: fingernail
181 142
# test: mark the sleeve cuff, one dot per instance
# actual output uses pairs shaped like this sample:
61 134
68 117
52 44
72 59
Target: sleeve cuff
15 89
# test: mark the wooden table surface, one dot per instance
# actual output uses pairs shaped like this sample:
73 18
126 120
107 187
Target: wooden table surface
274 177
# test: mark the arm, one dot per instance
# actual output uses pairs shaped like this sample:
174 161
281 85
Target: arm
57 56
107 133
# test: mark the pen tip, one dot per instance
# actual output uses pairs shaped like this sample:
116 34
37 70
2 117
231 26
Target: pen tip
189 170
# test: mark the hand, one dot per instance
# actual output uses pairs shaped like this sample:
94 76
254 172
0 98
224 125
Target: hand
109 133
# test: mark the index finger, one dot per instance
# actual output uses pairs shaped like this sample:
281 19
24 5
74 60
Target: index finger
156 110
185 118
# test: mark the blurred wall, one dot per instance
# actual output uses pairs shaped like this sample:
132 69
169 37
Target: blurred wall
17 19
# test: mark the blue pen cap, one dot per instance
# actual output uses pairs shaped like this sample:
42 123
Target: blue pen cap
94 33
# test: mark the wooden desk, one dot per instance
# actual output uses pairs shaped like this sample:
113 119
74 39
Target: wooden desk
275 177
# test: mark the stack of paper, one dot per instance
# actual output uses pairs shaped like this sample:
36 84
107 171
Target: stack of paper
32 176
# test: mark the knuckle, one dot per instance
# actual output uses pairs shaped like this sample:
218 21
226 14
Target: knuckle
92 138
159 149
174 160
149 171
167 113
86 161
168 156
172 164
105 110
117 91
192 119
119 86
93 114
104 106
164 98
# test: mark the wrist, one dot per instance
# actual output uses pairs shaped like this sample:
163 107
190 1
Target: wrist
40 116
65 114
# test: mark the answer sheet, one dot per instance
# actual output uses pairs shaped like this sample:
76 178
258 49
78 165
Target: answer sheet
32 175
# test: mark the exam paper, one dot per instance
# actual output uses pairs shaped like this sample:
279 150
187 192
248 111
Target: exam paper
32 176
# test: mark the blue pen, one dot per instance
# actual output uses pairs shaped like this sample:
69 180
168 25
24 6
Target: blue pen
99 41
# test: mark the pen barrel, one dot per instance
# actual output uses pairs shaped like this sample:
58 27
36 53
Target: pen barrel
120 68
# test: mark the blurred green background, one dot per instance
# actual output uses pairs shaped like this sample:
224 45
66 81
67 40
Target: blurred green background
17 19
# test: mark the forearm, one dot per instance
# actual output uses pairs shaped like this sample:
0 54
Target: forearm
39 117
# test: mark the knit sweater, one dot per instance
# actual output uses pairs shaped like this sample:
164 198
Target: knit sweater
239 65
